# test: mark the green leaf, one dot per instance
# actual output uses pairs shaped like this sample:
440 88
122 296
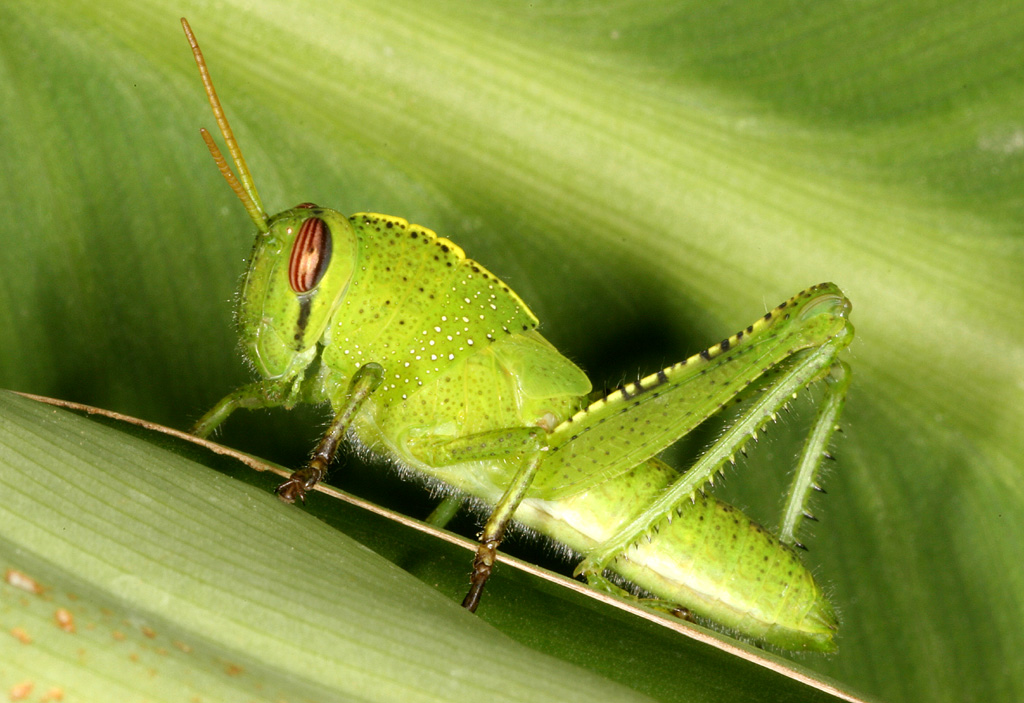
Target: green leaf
649 177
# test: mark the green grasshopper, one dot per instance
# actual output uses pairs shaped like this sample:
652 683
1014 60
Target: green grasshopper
429 360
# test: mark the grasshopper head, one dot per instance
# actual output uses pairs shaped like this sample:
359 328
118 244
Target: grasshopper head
300 267
299 272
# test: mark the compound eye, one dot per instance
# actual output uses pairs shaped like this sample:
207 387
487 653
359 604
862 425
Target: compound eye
311 254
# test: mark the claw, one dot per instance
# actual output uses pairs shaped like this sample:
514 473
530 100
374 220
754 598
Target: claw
684 613
299 483
291 489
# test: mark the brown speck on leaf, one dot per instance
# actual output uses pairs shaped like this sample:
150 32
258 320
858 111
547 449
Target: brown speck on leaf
21 691
23 581
65 620
21 635
233 669
148 632
53 694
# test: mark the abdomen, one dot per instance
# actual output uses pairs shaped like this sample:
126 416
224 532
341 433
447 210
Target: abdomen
709 558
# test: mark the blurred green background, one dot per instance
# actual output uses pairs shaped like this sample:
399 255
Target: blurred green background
650 177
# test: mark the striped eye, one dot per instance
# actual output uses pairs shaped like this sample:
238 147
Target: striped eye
310 255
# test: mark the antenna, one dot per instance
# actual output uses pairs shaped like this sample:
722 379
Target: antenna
243 186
